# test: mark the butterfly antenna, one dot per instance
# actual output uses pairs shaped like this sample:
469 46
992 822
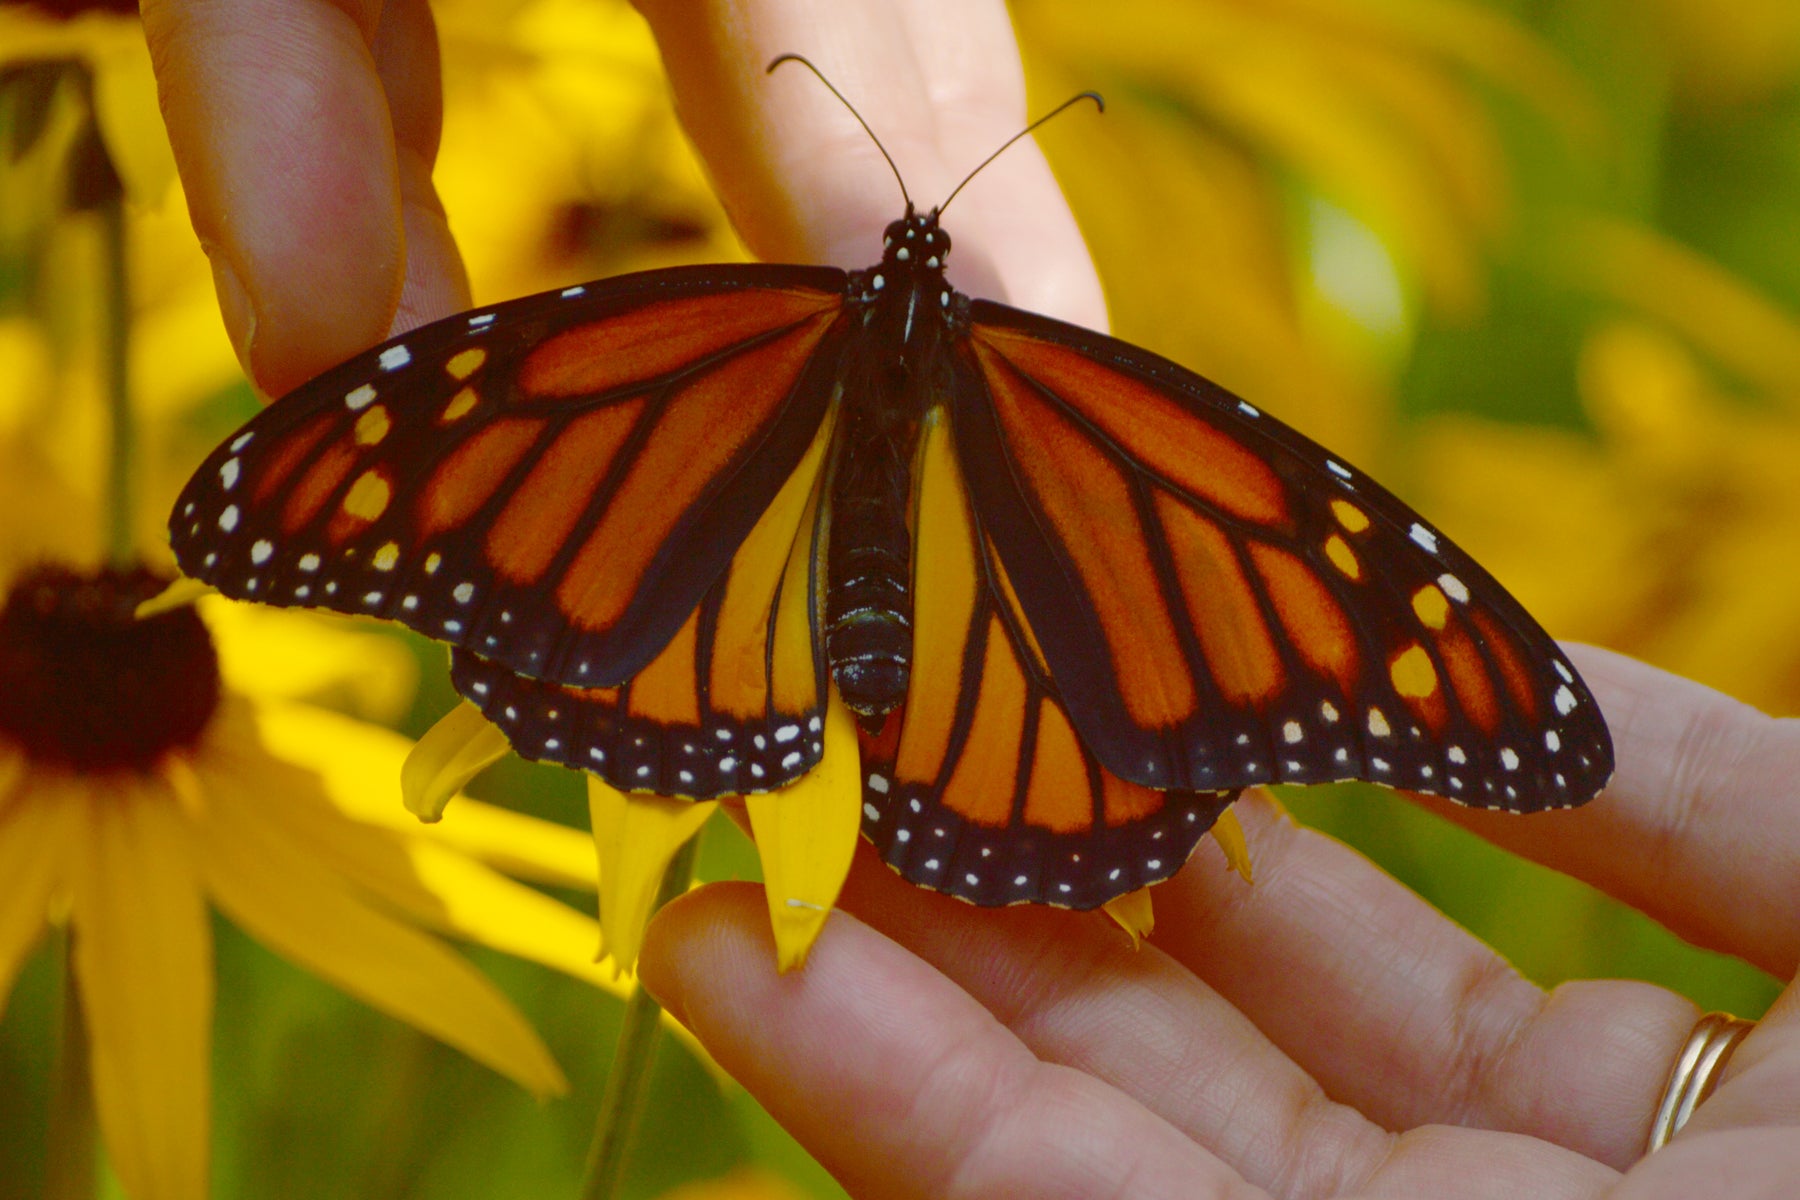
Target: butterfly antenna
1099 103
807 63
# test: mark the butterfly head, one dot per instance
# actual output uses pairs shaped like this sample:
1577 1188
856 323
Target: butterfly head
915 243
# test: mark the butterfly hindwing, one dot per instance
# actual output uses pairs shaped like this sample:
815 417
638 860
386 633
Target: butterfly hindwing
733 704
979 786
552 483
1222 603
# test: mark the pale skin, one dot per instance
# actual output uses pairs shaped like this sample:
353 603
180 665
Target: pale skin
1322 1033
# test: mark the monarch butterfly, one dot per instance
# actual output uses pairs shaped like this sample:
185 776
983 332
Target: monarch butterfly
1078 596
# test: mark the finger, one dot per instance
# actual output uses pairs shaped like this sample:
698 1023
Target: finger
282 130
1760 1085
938 80
1075 992
407 61
903 1087
1398 1012
1439 1161
1745 1164
1700 827
898 1082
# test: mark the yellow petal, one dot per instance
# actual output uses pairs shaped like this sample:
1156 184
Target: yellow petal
1134 914
429 883
805 836
352 758
458 748
418 873
269 652
35 839
179 594
486 907
635 835
293 903
1648 272
1230 835
143 959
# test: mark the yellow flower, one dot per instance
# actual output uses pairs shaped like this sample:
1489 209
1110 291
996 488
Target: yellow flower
137 788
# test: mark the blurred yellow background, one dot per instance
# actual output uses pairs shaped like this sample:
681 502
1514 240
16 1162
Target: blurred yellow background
1534 265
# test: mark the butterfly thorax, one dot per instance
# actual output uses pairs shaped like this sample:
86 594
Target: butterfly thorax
889 380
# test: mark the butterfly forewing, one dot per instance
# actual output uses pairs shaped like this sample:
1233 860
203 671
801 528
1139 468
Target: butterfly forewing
552 483
734 702
980 787
1221 603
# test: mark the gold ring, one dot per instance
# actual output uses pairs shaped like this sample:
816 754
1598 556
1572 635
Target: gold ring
1696 1073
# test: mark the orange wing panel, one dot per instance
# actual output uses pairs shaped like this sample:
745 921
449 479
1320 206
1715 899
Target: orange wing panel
794 678
1514 672
1090 505
1316 623
1469 677
659 338
322 479
1240 653
1125 802
541 514
1058 797
1157 432
666 691
289 454
703 427
945 586
755 587
470 474
981 788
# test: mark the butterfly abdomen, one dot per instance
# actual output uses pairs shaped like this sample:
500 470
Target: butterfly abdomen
868 606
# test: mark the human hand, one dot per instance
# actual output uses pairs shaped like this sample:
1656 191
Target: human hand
1324 1032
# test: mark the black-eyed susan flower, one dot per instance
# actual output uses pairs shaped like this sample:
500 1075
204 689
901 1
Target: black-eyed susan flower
138 790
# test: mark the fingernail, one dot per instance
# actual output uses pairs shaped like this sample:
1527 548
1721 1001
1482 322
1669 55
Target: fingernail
234 306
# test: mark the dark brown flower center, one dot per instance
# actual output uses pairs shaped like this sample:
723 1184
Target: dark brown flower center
69 9
85 684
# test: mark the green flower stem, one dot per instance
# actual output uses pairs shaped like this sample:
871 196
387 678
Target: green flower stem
629 1079
115 338
71 1163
